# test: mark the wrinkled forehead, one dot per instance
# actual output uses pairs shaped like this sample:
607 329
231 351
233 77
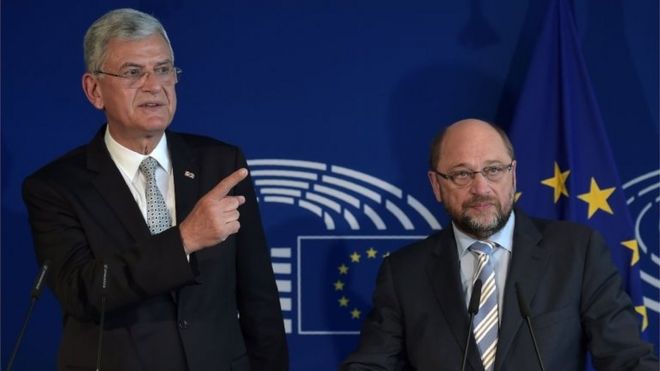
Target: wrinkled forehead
152 49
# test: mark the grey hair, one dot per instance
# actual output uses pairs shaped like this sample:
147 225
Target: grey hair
128 24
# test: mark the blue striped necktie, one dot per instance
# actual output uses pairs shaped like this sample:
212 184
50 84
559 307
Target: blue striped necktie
486 321
158 217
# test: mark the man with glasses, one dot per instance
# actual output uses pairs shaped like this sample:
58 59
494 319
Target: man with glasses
161 227
562 271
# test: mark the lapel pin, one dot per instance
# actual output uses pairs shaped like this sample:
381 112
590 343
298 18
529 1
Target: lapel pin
189 174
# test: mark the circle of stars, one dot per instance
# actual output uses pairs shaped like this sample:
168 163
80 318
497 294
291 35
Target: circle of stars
340 284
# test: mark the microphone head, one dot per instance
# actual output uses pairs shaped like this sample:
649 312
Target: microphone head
39 282
475 299
104 283
524 308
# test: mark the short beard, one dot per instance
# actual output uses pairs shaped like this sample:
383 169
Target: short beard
478 230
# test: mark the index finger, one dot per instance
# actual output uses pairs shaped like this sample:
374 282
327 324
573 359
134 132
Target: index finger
225 185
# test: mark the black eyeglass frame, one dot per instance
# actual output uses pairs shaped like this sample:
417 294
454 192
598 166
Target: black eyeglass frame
471 174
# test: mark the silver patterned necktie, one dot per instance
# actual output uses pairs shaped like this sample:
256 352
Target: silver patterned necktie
158 217
486 321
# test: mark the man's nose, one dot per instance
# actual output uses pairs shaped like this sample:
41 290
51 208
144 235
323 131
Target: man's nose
150 82
479 184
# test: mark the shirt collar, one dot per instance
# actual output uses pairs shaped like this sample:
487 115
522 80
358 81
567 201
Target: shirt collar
129 161
503 238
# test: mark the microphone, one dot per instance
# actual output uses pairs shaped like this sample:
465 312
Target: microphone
37 287
473 309
525 312
104 286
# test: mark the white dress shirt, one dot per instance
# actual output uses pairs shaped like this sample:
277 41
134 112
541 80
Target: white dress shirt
128 162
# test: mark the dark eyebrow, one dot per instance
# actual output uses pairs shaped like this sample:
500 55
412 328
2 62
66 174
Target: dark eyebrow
496 163
459 166
464 167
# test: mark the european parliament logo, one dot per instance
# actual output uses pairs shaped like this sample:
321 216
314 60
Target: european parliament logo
643 197
329 228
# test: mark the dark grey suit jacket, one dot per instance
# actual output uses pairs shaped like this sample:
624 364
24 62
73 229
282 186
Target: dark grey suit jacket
420 321
163 313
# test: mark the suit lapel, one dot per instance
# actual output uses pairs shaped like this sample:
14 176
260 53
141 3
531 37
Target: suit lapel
186 189
528 262
113 189
186 175
444 274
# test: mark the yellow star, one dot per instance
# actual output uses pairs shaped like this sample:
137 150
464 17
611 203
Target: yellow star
355 257
343 301
343 269
339 286
516 196
371 253
632 245
645 318
558 182
597 198
355 313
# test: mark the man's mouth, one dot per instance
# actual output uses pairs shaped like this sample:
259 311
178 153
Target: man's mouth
150 105
481 204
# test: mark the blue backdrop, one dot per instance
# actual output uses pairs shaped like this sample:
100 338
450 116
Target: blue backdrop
334 105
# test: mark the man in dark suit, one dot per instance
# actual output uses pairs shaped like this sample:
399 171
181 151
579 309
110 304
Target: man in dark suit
564 273
172 216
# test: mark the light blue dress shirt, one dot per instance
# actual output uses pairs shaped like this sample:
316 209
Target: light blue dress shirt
500 259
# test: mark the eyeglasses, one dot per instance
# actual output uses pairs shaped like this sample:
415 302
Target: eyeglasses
462 178
166 74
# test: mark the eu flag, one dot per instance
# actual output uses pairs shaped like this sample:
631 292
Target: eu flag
566 168
334 300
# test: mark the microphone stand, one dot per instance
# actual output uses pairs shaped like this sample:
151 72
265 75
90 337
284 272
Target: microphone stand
36 293
526 313
104 286
473 309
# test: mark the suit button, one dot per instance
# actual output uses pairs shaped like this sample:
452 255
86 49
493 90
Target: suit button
184 324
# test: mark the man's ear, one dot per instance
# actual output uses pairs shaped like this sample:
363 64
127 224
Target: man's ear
435 184
90 85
